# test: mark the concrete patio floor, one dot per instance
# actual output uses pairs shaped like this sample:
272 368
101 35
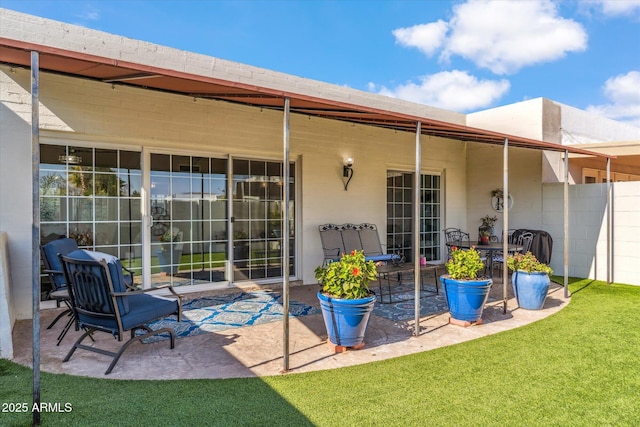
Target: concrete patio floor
258 350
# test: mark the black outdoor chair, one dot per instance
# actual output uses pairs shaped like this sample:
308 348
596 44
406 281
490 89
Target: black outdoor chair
452 235
59 291
524 239
101 301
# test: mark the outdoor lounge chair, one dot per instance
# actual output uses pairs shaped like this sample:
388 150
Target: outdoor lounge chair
102 302
59 291
340 239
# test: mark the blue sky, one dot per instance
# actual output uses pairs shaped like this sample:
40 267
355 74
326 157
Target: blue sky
459 55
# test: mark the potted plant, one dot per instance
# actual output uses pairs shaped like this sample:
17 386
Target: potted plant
530 280
170 251
345 298
486 229
466 292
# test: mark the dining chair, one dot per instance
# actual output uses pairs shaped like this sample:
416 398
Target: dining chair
524 239
452 235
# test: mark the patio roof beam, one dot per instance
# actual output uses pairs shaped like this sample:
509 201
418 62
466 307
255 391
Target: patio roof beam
130 77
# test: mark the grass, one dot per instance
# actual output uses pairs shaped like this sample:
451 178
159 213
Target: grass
578 367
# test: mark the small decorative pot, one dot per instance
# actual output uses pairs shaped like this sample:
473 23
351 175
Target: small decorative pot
346 319
466 298
530 289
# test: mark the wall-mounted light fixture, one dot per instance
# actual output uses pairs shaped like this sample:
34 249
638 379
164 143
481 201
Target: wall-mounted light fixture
347 172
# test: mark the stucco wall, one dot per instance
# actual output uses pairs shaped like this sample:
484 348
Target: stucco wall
485 173
90 113
523 118
583 127
588 230
7 316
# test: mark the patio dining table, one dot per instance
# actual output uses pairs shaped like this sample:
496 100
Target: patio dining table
491 248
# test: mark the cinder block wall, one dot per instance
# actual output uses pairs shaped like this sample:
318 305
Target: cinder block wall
588 230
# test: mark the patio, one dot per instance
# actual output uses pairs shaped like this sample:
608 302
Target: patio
257 350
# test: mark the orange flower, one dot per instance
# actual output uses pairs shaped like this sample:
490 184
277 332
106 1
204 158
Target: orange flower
355 271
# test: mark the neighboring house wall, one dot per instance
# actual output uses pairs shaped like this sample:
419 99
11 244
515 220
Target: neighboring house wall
582 127
85 112
588 230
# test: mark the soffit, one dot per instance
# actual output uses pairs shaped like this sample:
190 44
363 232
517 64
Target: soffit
110 70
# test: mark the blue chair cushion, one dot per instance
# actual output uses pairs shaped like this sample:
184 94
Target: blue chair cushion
51 250
115 270
383 257
144 308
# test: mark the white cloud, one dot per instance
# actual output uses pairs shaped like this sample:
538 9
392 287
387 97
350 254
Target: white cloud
89 14
618 7
452 90
426 37
623 92
502 36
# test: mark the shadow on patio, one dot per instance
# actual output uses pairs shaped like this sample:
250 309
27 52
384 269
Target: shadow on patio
257 350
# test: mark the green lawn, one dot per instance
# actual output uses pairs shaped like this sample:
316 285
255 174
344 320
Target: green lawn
580 366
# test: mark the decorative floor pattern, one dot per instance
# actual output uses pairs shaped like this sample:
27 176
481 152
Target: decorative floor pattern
217 313
430 303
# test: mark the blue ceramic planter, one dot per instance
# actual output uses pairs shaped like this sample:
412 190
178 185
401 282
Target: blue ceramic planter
530 289
166 257
466 298
346 319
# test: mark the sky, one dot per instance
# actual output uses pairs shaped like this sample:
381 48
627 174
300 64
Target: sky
464 55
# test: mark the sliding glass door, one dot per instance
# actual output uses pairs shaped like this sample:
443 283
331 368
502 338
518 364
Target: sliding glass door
189 214
93 195
400 214
258 227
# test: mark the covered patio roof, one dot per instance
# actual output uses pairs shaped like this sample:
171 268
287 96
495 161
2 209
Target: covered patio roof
110 70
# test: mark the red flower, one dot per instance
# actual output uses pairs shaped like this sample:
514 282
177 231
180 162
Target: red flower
355 271
455 248
353 252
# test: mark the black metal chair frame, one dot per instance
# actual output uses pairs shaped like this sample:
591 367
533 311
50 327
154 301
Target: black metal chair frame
523 239
105 280
338 239
61 295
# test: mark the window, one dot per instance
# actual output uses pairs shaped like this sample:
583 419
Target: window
93 196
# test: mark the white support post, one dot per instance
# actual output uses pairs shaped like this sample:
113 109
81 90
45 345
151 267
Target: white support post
609 223
35 229
285 235
416 228
505 225
566 224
